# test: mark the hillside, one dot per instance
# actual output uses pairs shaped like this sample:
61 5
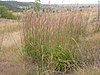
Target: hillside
20 6
16 6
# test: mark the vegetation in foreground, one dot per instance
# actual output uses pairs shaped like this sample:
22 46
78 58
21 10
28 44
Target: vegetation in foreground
56 41
57 44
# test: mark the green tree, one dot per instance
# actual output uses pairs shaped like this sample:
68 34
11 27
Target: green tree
37 6
5 13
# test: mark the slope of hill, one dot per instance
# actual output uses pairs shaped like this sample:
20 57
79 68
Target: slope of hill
20 6
16 6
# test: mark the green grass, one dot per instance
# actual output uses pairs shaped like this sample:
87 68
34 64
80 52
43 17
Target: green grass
52 40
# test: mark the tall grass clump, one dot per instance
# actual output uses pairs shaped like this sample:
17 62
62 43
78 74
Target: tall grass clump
53 40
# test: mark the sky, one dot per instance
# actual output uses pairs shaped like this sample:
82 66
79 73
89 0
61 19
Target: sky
64 1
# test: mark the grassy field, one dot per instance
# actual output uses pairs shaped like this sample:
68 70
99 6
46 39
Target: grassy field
65 43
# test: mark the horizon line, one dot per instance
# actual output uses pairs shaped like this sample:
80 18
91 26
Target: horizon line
53 3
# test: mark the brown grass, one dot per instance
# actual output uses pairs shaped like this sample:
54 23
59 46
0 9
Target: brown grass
11 56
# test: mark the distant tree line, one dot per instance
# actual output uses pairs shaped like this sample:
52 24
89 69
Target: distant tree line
17 6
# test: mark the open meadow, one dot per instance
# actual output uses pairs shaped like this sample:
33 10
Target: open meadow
51 43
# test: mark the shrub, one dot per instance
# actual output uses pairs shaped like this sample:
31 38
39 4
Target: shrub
4 13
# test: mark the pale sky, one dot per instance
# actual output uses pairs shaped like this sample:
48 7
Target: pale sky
65 1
